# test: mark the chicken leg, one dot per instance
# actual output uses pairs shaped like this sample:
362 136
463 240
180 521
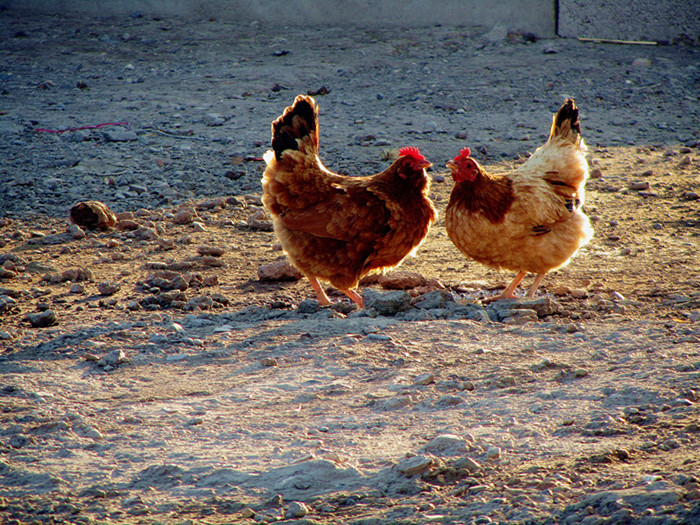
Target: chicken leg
323 299
321 296
508 293
356 297
535 285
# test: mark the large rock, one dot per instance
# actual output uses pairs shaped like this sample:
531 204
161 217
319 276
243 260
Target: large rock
389 303
93 215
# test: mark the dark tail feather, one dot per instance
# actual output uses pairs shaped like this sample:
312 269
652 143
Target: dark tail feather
566 122
297 128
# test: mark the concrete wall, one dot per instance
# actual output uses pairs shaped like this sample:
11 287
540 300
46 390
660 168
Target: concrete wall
659 20
535 16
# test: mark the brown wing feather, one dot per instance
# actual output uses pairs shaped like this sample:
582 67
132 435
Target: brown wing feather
346 214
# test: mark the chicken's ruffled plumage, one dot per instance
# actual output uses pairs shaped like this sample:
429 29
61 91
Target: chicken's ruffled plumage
339 228
530 220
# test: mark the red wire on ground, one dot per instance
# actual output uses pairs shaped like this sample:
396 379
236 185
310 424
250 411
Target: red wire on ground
43 130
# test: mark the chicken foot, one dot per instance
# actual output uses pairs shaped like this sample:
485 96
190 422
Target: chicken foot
356 297
321 296
509 292
323 299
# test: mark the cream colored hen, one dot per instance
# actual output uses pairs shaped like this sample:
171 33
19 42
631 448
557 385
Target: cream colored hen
529 220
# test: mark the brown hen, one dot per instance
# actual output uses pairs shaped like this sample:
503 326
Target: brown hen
339 228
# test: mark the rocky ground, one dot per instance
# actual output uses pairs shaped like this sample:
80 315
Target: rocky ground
161 372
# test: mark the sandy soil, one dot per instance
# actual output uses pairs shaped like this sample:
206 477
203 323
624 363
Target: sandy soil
150 376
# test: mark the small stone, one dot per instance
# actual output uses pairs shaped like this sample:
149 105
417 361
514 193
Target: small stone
280 270
596 173
424 379
493 453
173 358
119 134
76 275
43 319
7 304
579 293
124 215
520 317
108 287
506 381
269 361
146 234
415 465
114 359
448 401
446 445
77 288
198 227
185 216
7 274
394 403
639 185
247 513
179 283
165 244
258 221
468 464
296 509
76 232
210 280
234 174
93 433
213 251
214 262
128 224
401 280
214 119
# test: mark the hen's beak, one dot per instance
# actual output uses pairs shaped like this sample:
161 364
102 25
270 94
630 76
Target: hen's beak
451 165
424 164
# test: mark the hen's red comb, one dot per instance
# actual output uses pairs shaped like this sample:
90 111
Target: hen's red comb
464 153
412 152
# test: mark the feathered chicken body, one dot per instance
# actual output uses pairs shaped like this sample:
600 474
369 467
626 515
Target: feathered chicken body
334 227
530 220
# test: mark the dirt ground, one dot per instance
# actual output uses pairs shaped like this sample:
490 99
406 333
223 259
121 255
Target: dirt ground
149 375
